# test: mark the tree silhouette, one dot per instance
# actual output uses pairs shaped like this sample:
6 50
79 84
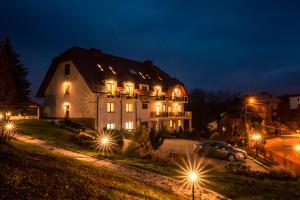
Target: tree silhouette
13 78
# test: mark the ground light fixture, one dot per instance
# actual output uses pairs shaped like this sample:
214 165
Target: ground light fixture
297 148
193 173
104 141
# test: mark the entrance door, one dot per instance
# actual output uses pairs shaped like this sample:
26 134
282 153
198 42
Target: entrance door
67 111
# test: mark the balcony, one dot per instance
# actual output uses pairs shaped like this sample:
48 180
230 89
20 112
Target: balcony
180 99
115 95
186 114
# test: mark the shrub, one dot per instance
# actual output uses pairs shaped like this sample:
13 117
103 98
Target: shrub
140 146
156 139
215 136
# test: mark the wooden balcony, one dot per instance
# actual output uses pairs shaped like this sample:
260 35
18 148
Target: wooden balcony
186 114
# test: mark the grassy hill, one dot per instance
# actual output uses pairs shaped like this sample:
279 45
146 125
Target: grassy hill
28 172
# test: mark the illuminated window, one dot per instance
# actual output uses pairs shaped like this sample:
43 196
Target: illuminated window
129 125
176 93
111 87
179 123
157 109
110 107
66 88
129 88
160 78
110 126
171 123
100 67
157 90
164 108
67 69
129 107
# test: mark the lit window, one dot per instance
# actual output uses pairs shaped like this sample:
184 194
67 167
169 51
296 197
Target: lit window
66 88
171 123
160 78
157 109
100 67
157 90
164 108
110 107
129 88
129 125
179 123
111 87
110 126
129 107
176 93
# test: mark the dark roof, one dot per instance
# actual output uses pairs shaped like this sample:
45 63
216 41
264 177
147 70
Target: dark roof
87 61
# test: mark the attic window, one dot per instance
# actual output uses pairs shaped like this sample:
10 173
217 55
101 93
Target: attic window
100 67
132 71
142 75
147 75
160 78
112 70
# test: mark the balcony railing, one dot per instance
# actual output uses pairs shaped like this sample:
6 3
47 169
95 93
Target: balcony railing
166 98
171 114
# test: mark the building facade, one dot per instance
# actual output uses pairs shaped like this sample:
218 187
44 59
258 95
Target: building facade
111 92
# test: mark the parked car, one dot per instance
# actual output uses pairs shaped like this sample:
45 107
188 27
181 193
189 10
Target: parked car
221 150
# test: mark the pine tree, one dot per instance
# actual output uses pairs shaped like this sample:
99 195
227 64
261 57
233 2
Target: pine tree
18 74
7 85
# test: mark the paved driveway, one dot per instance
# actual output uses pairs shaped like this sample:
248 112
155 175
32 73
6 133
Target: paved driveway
185 147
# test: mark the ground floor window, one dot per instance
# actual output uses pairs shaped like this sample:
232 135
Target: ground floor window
129 125
110 126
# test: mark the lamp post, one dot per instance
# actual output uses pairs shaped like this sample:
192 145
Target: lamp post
193 176
256 138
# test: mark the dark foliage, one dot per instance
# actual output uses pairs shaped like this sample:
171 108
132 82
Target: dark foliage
156 139
13 77
207 106
244 170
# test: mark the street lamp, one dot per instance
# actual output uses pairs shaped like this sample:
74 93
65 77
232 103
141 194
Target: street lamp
256 138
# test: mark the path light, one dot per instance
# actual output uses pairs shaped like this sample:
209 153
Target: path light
193 173
297 148
104 141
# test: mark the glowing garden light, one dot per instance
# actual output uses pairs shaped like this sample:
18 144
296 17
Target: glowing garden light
9 126
297 148
193 174
256 137
104 141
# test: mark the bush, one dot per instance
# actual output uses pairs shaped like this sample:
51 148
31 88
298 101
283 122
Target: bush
156 139
243 170
140 146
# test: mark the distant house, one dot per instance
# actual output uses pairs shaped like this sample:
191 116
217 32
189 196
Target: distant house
294 101
112 92
29 111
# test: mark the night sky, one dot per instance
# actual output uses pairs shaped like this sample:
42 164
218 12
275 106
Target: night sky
245 46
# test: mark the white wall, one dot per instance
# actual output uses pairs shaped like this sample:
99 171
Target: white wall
81 100
294 102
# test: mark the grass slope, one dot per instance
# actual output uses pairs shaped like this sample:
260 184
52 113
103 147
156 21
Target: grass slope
233 186
28 172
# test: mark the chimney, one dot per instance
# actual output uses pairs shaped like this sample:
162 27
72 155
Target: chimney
95 52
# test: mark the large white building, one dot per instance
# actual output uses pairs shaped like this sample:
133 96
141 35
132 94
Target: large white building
111 92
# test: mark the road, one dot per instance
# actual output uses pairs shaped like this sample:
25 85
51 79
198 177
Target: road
185 147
